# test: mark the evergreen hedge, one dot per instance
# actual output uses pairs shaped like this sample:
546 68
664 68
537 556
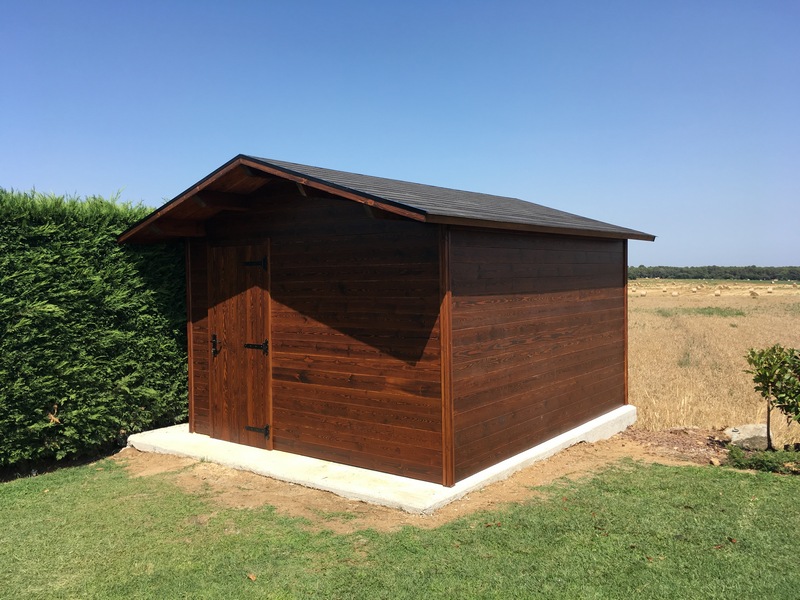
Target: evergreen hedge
92 334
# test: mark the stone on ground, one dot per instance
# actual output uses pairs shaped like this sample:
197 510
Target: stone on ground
748 437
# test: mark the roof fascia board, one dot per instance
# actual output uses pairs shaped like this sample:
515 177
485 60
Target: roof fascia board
466 222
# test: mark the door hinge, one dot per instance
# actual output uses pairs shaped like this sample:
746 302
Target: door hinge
264 346
256 263
264 430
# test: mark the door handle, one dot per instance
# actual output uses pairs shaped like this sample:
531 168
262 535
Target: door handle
214 346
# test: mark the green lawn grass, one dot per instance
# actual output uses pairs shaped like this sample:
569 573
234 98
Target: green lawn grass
633 531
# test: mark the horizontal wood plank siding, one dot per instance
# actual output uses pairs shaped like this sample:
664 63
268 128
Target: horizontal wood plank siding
538 339
355 333
198 340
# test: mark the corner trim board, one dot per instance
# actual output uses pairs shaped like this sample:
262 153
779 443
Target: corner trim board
446 357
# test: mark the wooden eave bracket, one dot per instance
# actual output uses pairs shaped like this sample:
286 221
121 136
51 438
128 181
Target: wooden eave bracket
255 172
302 189
178 228
219 201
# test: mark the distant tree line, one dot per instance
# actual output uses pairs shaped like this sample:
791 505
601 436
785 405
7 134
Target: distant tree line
714 272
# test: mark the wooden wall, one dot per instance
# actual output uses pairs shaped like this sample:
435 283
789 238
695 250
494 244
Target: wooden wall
197 335
538 328
537 324
355 332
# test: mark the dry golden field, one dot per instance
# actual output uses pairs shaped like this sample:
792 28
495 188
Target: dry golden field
687 346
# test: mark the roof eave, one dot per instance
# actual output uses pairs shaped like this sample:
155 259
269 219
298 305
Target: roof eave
510 226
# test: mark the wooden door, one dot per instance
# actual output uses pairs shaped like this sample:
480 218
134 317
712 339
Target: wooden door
239 330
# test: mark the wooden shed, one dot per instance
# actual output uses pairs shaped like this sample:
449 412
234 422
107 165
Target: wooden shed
405 328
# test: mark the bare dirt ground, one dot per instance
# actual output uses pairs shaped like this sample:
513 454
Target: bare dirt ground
229 488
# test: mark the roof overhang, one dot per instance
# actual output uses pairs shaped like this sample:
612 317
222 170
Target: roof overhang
226 189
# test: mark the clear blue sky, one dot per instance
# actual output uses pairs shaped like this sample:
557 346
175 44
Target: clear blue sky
679 118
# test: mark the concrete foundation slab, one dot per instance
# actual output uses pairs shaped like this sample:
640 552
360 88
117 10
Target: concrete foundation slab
361 484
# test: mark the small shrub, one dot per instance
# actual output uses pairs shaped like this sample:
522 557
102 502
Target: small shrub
776 375
779 461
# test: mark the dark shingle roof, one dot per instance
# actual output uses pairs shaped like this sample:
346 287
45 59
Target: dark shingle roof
440 204
185 215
